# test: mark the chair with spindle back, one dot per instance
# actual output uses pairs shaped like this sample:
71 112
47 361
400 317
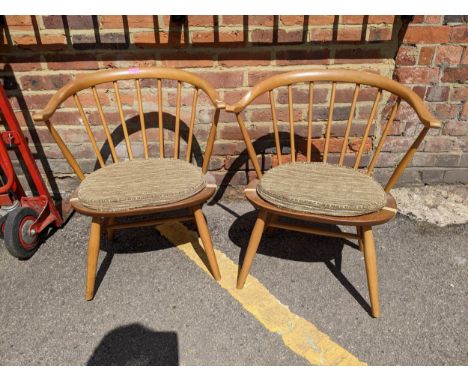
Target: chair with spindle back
324 192
139 186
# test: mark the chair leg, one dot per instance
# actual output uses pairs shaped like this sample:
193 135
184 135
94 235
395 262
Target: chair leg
371 270
254 241
360 240
110 231
206 240
93 253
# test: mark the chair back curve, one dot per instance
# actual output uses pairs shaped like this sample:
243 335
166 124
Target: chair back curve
110 97
329 115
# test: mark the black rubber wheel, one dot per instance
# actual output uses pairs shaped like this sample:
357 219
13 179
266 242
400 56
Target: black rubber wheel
18 240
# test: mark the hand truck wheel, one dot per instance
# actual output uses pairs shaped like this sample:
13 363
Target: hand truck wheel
18 238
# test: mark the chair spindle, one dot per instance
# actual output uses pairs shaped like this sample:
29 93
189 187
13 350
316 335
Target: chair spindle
192 123
105 125
160 120
384 136
142 118
275 126
348 125
122 119
329 123
291 124
177 121
369 124
88 129
309 126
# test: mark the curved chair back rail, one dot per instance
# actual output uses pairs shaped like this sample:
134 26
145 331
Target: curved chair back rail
113 77
359 78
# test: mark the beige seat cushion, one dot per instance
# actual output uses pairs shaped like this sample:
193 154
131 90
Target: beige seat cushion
140 183
321 189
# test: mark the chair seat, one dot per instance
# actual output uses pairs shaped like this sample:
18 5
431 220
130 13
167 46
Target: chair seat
140 183
321 188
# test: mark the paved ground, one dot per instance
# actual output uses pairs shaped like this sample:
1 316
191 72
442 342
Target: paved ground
156 306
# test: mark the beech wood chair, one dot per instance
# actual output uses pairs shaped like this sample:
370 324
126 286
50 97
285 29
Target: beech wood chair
139 186
322 192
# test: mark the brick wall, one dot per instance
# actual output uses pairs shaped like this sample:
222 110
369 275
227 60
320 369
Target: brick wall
39 54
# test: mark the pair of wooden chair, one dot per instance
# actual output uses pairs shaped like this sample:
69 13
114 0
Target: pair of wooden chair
312 189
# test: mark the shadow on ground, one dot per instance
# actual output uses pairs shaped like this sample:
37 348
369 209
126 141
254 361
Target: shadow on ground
296 246
135 345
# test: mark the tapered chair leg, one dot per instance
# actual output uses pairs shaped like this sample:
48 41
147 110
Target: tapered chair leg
206 240
251 251
360 240
110 231
93 253
371 270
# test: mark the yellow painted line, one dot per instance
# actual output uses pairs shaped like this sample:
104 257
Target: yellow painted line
298 334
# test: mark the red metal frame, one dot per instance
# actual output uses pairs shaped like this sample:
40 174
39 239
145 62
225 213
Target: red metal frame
14 137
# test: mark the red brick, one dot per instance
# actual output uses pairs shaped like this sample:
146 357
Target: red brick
352 20
418 19
19 22
224 79
380 34
376 19
448 54
21 64
420 91
406 56
322 20
426 34
464 59
303 57
421 75
349 34
290 36
48 82
232 20
301 96
112 22
233 132
441 143
437 93
134 21
232 37
204 37
80 22
457 128
321 34
182 59
459 74
147 39
71 62
262 21
262 36
292 20
201 21
244 58
282 113
426 55
445 111
433 19
459 33
464 116
459 94
46 42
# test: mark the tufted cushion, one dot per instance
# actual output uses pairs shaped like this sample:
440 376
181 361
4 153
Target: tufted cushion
140 183
321 189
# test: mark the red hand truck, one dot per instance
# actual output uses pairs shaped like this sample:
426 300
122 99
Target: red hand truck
23 217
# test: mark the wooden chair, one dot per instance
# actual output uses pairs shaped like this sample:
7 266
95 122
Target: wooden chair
306 191
139 186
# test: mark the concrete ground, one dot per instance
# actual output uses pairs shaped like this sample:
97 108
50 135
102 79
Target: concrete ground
155 306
